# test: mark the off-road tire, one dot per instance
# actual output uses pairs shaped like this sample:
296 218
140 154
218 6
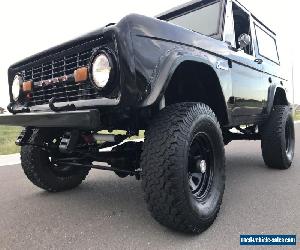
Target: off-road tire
164 163
277 144
39 170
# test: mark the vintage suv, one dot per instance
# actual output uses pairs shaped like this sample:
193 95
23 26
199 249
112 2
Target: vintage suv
186 77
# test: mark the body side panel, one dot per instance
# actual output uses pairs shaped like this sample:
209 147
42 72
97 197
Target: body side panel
160 47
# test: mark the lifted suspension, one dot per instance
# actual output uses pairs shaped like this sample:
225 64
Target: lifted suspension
248 133
136 173
79 149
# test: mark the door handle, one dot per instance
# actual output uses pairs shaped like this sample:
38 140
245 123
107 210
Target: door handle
258 60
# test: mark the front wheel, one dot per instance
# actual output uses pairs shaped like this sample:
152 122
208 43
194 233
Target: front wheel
183 167
40 169
278 138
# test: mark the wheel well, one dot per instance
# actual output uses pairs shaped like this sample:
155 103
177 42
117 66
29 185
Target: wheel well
280 97
197 82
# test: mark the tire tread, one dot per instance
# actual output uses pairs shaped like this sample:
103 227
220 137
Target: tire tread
167 203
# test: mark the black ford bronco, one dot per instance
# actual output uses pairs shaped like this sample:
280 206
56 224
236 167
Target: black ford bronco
194 78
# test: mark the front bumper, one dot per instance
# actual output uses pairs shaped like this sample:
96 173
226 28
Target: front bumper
83 119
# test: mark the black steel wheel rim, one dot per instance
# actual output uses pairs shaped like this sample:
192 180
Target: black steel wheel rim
200 166
289 139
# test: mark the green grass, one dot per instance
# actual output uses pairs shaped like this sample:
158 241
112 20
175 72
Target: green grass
8 136
297 117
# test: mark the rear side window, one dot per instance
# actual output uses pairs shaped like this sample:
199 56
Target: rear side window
266 45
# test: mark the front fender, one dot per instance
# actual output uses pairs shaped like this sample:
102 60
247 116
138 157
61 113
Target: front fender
165 69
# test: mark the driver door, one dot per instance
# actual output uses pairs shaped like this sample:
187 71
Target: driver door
246 72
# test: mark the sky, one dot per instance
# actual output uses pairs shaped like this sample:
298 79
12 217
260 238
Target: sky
31 26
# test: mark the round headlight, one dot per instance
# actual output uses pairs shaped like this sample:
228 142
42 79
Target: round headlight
101 70
16 87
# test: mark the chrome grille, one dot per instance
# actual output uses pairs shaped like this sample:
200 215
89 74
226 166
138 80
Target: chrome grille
59 67
63 92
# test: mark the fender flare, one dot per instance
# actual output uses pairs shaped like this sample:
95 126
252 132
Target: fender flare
271 95
167 69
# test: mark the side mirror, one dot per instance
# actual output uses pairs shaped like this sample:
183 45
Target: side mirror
244 40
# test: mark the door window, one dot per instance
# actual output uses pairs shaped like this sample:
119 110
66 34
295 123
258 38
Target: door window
266 45
242 26
204 20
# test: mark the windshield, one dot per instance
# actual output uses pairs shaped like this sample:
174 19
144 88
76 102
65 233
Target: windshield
204 20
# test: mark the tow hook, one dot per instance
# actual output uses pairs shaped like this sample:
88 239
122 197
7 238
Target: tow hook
14 112
68 107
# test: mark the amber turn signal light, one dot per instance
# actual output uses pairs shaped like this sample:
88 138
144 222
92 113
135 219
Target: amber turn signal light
27 86
81 74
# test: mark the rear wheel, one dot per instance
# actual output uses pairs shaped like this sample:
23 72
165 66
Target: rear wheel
40 168
183 167
278 138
